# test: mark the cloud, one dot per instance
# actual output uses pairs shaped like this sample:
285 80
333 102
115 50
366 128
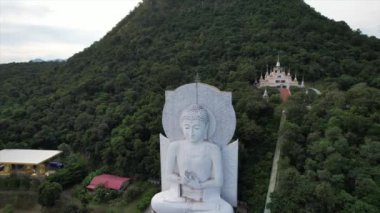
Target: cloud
15 9
31 28
20 34
363 14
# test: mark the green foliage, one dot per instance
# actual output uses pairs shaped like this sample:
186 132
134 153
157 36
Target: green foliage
8 208
136 189
22 200
133 192
73 208
74 171
18 182
335 168
81 193
144 201
103 195
48 193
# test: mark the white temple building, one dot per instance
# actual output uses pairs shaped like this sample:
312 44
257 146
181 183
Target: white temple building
278 77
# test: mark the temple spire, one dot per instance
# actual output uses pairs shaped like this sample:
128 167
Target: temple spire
265 95
278 60
197 80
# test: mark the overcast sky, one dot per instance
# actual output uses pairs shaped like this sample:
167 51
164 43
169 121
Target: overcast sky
56 29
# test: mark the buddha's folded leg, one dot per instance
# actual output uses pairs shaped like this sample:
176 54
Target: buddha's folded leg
164 202
220 206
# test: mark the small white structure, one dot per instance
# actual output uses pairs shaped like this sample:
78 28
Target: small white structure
278 77
26 157
265 95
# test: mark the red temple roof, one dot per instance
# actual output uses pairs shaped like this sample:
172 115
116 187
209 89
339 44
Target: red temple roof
108 181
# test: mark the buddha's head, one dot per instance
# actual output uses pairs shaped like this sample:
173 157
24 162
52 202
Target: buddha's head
194 123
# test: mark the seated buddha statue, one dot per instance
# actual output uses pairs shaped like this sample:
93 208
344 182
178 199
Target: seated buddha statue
193 167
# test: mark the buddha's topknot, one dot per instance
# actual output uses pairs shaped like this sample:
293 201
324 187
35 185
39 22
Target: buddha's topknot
195 112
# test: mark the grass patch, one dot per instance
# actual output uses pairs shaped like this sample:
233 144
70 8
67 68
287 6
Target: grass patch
23 200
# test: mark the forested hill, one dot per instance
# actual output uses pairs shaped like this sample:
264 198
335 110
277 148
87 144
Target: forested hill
106 101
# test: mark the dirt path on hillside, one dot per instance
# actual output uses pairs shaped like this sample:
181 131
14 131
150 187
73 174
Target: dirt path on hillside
276 158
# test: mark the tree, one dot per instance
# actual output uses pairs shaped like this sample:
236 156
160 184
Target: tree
66 150
49 193
8 208
74 171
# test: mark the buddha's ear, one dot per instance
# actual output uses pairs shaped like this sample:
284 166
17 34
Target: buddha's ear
205 137
181 127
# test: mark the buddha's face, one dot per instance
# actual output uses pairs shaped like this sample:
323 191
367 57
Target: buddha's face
194 130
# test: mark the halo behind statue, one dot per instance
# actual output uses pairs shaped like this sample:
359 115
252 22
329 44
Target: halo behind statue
222 122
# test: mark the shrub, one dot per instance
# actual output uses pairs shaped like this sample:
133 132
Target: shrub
15 182
24 182
71 208
74 172
103 195
145 200
8 208
48 193
133 192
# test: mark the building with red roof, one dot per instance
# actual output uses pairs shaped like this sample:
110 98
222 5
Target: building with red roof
109 182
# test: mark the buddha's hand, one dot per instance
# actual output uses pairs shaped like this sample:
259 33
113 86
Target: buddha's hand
194 184
190 179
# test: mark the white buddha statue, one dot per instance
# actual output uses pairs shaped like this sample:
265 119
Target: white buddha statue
193 168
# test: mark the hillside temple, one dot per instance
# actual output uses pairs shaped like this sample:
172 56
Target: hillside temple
278 77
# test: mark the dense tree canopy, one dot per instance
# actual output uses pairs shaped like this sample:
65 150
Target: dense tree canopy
331 158
48 193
